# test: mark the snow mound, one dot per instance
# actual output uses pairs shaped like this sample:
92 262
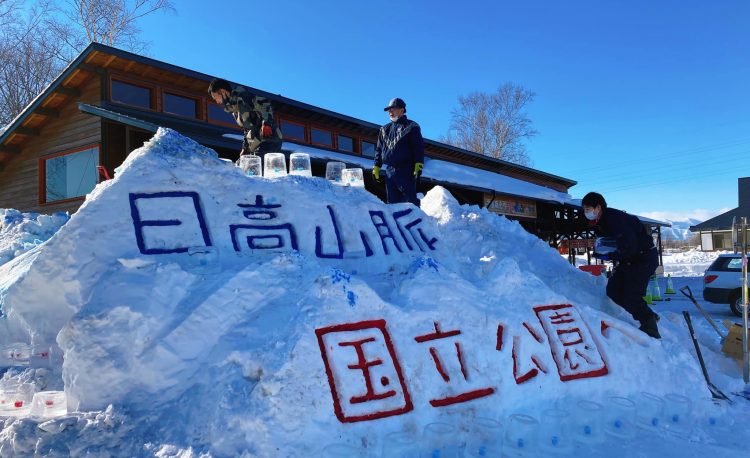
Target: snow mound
21 232
221 314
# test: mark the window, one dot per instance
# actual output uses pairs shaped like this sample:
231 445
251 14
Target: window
735 264
179 105
321 137
368 149
71 174
216 113
292 130
346 143
131 94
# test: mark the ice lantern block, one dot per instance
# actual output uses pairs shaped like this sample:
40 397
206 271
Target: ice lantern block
250 165
353 177
274 165
299 164
334 171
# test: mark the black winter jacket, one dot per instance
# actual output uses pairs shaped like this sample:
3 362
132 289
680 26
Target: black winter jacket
400 144
633 239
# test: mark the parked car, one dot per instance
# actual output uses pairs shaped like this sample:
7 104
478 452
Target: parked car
722 282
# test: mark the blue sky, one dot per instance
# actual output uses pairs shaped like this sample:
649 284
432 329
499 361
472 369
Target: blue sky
647 102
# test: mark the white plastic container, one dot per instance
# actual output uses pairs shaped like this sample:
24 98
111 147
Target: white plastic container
484 438
353 177
334 171
521 436
299 164
250 165
274 165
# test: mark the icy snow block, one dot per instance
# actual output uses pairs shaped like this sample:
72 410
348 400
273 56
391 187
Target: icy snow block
49 404
16 401
605 245
299 164
274 165
353 177
334 171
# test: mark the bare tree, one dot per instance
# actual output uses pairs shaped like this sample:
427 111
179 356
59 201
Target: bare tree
110 22
27 68
493 124
36 43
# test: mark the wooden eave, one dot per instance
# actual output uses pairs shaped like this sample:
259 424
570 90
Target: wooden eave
98 59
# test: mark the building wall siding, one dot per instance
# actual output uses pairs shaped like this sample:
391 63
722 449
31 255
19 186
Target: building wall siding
19 180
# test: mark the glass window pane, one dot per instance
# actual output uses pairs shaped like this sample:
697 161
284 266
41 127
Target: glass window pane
321 137
346 143
216 113
131 94
292 130
368 149
183 106
71 175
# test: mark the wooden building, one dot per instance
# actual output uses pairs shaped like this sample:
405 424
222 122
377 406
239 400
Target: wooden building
716 233
108 102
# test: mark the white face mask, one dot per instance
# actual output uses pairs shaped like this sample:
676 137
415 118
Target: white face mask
591 216
394 118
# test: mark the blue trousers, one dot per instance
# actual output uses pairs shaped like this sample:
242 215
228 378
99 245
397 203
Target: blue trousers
401 186
627 285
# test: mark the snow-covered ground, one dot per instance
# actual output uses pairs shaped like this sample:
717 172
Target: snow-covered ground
192 311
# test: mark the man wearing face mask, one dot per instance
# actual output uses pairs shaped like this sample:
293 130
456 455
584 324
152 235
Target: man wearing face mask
399 155
636 258
253 113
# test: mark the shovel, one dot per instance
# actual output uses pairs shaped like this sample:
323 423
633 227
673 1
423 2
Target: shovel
689 295
715 392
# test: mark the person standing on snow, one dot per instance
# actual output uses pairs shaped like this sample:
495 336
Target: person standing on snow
253 113
636 258
400 152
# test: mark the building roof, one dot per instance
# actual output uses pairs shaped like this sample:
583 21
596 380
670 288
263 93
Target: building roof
722 222
650 221
97 57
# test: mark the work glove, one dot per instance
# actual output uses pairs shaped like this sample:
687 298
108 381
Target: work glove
266 130
376 173
418 169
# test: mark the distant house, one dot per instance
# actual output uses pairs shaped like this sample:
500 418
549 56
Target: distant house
108 102
716 233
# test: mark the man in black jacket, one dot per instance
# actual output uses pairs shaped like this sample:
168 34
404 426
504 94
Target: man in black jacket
636 258
400 152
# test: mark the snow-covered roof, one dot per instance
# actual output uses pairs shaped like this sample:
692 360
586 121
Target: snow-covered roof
444 172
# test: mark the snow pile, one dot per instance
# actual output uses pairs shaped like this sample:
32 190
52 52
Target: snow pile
221 314
691 263
20 232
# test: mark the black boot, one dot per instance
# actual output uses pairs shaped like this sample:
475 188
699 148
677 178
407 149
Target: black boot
649 326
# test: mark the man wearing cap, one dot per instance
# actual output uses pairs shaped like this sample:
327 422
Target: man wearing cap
399 155
636 258
253 113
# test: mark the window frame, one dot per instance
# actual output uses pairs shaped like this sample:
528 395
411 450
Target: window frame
351 137
200 113
323 129
218 123
42 163
305 129
362 150
154 97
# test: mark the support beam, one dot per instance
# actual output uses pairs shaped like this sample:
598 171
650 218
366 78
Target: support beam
92 68
10 149
69 91
26 131
51 112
